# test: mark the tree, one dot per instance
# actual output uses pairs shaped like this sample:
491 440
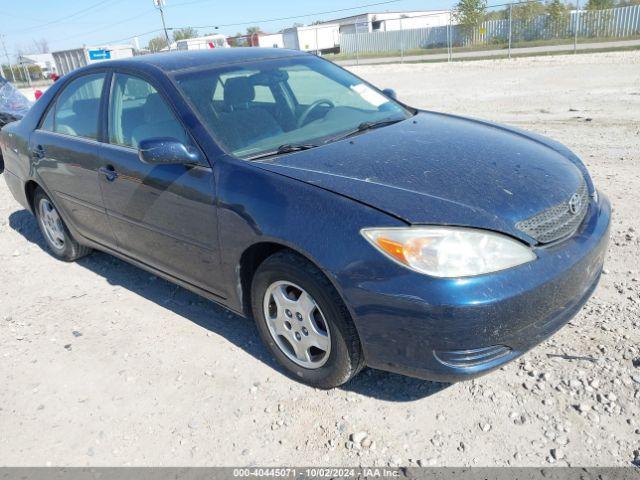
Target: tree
598 24
233 41
497 14
556 10
600 4
557 18
470 13
527 11
184 33
157 43
252 30
523 14
41 46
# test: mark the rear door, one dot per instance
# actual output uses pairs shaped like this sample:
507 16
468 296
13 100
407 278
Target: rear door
64 149
162 215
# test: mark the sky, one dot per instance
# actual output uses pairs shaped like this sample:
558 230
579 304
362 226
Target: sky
73 23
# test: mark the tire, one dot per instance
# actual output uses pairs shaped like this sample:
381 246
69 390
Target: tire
59 240
329 323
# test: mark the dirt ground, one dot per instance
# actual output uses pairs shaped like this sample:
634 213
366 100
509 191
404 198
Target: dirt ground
102 363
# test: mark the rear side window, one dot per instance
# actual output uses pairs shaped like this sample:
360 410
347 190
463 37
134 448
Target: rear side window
138 112
77 108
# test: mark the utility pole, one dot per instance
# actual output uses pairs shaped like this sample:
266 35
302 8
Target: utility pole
450 36
159 4
577 26
4 47
510 27
401 42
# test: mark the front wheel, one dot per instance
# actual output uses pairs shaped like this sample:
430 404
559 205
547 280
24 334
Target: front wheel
59 240
304 323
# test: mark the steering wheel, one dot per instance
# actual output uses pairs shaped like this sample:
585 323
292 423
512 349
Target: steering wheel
311 108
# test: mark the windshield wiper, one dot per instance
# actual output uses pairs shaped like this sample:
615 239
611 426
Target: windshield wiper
364 126
286 148
294 147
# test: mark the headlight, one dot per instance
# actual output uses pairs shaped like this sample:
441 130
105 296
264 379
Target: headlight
449 251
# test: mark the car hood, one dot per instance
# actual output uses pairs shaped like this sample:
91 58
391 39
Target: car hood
442 169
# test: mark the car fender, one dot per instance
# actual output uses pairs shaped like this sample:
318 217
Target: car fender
258 206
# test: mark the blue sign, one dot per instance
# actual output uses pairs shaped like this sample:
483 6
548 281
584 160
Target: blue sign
99 54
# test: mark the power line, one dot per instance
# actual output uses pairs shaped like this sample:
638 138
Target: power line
262 21
252 22
65 18
4 47
111 25
133 36
299 16
159 4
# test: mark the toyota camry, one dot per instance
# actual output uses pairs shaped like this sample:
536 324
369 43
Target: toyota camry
353 228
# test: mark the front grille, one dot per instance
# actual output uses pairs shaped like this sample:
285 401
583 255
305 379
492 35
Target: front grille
559 221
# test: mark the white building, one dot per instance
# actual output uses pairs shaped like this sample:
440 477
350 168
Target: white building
68 60
43 60
388 21
202 43
271 40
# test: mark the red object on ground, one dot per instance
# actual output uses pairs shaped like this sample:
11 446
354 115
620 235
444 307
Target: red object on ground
38 94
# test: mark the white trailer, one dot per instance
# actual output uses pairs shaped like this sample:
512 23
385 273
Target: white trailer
203 43
314 38
69 60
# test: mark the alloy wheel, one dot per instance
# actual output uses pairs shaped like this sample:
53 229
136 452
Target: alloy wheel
297 324
51 224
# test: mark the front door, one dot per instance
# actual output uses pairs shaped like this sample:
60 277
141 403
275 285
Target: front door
65 149
162 215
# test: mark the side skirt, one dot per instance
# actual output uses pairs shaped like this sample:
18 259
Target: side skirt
218 299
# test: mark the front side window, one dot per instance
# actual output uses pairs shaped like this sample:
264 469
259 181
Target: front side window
258 108
138 112
77 108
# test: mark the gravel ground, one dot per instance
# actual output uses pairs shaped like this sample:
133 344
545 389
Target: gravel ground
104 364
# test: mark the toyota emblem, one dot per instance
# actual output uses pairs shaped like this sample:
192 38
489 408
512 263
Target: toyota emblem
575 203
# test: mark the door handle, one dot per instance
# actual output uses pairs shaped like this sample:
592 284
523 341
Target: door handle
38 152
109 172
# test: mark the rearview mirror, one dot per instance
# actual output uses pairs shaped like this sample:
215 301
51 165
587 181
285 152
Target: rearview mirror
167 151
390 92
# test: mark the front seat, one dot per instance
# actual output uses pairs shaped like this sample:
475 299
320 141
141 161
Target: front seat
159 121
245 124
83 121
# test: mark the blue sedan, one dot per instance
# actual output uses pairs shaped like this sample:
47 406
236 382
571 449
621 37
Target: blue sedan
356 230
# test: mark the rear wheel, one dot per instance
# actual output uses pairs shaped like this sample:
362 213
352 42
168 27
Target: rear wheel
59 240
304 322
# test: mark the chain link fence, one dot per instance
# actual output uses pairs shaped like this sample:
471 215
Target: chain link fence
528 25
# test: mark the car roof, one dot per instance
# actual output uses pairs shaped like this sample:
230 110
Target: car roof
179 60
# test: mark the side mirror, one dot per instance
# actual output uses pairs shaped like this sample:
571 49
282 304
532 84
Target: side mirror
390 92
167 151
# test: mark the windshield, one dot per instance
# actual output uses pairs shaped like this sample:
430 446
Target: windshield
258 107
12 102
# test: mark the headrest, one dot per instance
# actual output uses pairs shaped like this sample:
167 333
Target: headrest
156 110
87 105
238 91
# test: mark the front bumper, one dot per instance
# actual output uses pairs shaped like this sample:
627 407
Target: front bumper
456 329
